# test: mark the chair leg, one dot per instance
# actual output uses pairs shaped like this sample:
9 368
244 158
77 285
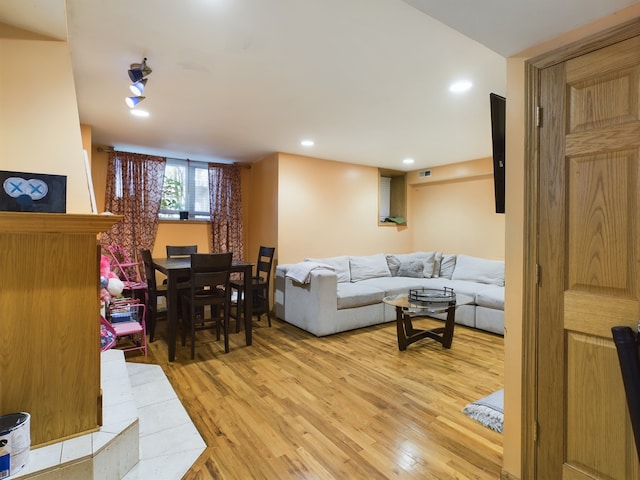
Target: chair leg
268 310
239 309
193 332
225 326
151 322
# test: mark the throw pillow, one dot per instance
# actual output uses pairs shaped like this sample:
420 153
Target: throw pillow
447 265
437 260
479 270
414 269
393 263
427 258
340 264
368 266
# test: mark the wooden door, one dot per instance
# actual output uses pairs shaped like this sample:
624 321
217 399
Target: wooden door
588 256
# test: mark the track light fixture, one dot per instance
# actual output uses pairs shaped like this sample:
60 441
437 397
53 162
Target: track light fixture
137 73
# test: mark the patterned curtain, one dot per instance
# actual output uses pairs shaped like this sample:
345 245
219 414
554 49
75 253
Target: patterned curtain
134 190
225 207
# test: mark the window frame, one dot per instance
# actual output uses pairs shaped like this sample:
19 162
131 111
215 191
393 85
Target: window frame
190 194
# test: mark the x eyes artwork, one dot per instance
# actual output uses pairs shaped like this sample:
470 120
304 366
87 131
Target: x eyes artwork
33 192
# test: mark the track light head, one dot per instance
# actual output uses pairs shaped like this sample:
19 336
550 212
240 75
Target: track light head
138 87
133 101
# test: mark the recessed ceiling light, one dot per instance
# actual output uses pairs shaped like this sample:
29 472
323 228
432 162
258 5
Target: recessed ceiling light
307 143
408 161
140 113
460 86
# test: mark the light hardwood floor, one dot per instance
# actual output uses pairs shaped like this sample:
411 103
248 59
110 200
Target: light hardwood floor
347 406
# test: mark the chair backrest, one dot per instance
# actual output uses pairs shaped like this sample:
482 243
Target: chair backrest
627 347
149 271
211 270
265 263
181 250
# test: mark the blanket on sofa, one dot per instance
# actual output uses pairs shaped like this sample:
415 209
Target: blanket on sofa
301 272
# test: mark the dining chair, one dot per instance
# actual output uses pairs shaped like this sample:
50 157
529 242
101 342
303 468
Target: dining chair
154 292
210 276
260 284
180 251
174 251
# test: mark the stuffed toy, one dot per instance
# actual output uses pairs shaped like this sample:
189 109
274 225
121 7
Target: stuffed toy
111 285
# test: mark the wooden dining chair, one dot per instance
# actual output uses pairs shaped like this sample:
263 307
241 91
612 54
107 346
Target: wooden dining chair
210 276
154 292
174 251
180 251
260 284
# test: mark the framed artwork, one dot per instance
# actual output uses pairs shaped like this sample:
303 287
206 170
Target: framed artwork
33 192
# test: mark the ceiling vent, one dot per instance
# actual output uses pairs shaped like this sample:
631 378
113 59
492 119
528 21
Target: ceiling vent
425 173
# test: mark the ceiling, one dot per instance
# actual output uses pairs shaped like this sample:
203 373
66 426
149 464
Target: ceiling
235 80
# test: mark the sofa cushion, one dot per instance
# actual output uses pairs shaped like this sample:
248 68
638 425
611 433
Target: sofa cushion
491 297
479 270
368 266
395 285
352 295
340 264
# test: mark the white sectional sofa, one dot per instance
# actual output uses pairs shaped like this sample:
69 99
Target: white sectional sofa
329 295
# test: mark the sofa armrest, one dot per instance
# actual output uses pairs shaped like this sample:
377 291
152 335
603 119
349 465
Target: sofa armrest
278 295
313 306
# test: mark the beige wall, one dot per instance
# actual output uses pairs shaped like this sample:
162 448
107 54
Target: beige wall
261 219
328 208
453 210
39 122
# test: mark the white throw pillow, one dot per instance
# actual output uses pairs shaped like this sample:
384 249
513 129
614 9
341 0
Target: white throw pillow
479 270
340 264
447 265
436 265
368 266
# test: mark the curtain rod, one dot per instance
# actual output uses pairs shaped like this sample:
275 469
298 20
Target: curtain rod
111 150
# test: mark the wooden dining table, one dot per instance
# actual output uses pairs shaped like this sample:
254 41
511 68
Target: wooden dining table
175 268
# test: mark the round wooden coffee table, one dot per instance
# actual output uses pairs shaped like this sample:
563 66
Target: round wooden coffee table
424 303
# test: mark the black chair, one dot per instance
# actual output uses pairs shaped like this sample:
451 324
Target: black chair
260 284
210 276
627 347
174 251
154 291
180 251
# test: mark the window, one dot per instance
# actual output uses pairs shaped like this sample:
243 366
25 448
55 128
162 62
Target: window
185 189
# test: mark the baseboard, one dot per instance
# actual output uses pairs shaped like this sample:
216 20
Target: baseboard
504 475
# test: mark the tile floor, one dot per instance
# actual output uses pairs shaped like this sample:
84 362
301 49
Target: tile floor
147 433
169 442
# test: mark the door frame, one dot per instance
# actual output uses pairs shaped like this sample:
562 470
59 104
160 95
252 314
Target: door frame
530 338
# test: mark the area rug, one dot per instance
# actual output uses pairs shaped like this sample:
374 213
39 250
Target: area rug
489 411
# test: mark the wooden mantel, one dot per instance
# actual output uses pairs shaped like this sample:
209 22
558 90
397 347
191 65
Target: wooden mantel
49 324
13 222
